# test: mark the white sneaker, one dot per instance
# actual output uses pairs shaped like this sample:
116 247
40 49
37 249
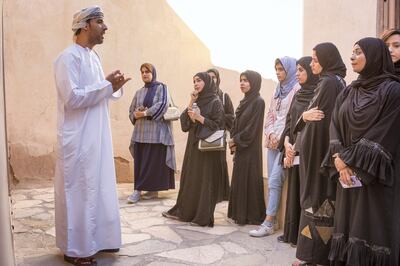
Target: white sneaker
263 230
150 195
135 197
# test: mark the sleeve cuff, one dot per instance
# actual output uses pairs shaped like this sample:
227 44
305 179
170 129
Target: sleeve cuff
371 160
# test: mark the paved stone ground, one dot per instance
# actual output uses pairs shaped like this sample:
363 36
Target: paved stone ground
148 238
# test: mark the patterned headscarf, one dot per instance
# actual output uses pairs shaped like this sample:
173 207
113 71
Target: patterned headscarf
82 16
283 88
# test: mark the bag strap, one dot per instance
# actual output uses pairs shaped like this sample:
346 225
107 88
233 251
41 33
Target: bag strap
170 97
223 99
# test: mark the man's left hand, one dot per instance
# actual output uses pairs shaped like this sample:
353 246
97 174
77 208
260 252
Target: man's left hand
117 79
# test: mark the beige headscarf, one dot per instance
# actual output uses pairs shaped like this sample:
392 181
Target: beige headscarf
80 17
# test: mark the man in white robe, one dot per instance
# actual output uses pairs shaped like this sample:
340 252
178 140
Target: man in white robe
86 202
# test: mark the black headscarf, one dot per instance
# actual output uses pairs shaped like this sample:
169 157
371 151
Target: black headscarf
152 85
209 91
306 93
397 68
254 79
329 58
216 73
379 64
368 94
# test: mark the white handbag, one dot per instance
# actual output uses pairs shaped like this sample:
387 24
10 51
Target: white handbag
173 112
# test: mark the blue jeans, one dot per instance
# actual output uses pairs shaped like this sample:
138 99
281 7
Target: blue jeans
275 181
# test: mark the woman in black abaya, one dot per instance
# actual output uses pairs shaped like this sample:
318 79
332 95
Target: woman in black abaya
201 171
246 200
317 191
365 143
308 82
229 116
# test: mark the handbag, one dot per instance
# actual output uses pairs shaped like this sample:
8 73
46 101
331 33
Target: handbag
215 142
173 113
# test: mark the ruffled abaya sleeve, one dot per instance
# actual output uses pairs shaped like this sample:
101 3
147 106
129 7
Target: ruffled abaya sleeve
371 157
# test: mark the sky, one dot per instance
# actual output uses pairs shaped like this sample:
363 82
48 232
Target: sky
245 34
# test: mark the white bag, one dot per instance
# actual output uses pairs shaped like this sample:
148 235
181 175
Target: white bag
173 112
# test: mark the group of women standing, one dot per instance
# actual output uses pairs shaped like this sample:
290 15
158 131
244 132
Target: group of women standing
349 161
340 145
204 173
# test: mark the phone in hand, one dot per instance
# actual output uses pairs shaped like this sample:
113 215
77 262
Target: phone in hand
355 182
296 160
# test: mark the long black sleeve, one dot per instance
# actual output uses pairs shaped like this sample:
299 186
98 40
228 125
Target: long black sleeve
229 112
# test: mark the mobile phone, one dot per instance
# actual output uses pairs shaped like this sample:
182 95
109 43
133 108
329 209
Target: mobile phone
355 182
296 160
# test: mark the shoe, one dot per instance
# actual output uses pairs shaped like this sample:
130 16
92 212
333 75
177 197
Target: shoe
89 261
231 221
301 263
170 216
263 230
195 224
281 239
135 197
110 250
150 195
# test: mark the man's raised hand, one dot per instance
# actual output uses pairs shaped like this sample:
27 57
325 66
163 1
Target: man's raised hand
117 79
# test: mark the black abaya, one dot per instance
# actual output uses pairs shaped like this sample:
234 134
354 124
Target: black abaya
246 200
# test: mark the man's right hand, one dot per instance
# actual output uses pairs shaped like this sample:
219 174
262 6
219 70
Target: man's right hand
117 79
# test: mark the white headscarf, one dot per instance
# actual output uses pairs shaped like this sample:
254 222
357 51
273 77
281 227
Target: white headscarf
82 16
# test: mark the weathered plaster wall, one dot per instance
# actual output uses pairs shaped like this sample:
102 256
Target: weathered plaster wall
6 241
341 22
139 31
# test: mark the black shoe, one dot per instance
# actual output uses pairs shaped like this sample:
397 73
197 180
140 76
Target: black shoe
281 239
88 261
111 250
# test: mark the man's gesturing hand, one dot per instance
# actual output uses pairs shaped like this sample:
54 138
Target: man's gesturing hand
117 79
